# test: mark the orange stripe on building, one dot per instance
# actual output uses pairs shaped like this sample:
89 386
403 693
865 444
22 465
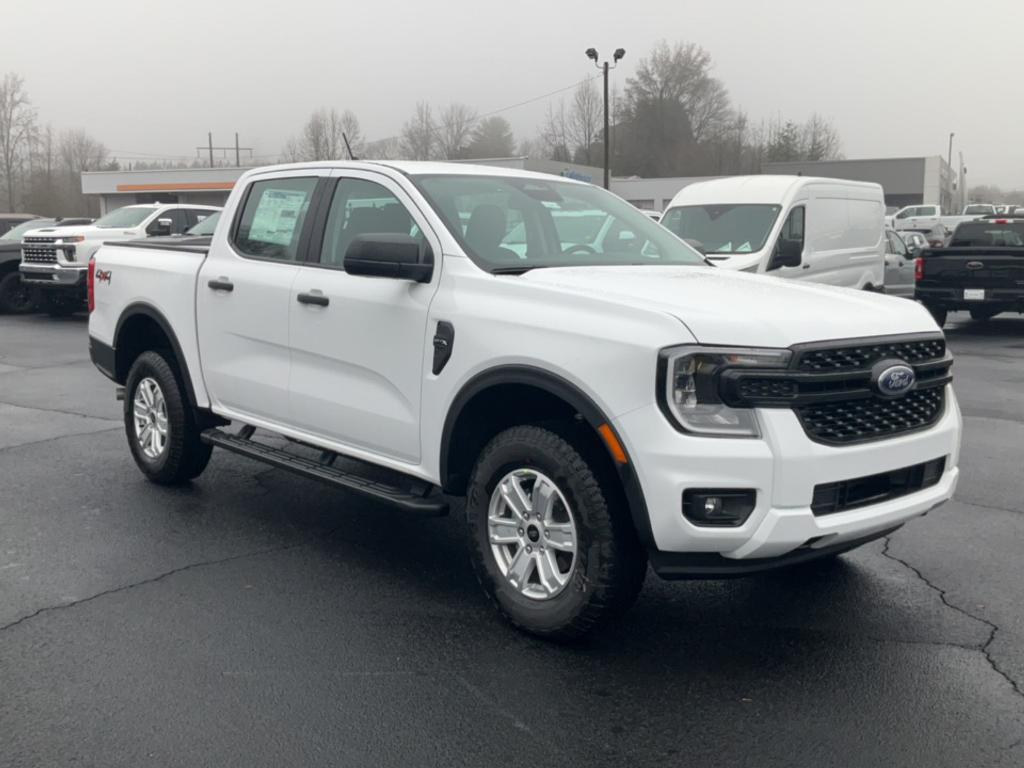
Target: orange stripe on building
183 186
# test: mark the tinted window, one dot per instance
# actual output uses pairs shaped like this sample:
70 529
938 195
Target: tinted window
272 219
982 233
514 223
129 216
723 228
361 207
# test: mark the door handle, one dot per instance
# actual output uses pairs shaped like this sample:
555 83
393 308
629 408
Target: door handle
221 284
316 299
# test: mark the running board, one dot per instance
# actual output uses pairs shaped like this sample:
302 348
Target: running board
422 497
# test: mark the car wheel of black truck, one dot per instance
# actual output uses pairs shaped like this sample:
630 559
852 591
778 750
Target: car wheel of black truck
15 296
552 544
159 423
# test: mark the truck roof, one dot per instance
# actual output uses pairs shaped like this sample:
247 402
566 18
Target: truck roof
759 189
415 168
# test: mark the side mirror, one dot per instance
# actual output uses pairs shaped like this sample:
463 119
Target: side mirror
161 227
389 255
788 253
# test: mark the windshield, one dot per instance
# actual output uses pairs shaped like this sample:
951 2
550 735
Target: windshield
987 233
513 224
124 217
206 226
723 228
15 233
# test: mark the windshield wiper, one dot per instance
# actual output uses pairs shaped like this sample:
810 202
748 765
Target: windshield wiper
513 270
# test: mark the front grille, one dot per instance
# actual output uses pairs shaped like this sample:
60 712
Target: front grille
852 358
830 498
830 387
852 421
38 255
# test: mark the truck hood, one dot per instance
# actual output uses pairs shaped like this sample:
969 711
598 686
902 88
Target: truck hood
88 231
735 308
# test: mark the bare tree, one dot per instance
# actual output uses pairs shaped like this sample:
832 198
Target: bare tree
383 149
419 134
320 138
453 130
586 122
554 134
820 139
17 124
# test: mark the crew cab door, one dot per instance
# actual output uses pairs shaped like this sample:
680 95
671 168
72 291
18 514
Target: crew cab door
359 344
242 297
899 267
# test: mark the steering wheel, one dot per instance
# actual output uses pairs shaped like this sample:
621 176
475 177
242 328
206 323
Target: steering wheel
580 248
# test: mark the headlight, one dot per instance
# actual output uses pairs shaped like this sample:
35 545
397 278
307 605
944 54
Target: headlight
688 389
72 239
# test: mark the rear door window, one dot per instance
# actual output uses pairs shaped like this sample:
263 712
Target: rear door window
272 219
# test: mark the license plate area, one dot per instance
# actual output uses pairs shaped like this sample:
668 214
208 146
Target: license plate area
974 294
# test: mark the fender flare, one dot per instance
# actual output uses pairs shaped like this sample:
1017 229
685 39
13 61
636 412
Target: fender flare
144 309
570 393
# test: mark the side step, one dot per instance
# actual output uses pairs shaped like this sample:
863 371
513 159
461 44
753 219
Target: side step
422 498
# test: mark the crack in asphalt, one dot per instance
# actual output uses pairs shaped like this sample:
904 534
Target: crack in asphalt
144 582
60 437
984 648
55 410
989 506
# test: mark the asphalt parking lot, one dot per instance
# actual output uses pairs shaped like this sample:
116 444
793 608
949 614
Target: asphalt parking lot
258 619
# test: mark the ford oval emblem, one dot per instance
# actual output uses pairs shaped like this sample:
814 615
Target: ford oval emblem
895 379
974 264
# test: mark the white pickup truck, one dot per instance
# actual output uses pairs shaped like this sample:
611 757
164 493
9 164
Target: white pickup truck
600 407
54 260
926 218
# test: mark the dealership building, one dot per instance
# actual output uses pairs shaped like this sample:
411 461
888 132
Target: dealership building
906 181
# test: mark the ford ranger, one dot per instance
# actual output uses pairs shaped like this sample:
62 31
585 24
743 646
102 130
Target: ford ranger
54 263
598 406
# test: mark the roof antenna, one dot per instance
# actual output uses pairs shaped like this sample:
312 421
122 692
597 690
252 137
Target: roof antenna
348 147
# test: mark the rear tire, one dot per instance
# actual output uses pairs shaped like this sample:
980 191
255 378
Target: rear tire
16 298
159 423
939 313
586 566
983 314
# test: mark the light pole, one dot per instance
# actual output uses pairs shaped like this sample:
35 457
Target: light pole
949 156
592 55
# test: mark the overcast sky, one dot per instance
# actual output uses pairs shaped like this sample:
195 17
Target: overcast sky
896 76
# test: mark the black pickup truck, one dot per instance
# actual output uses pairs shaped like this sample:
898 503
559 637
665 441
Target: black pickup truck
981 270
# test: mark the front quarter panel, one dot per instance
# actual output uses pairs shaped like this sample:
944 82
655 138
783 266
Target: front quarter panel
607 351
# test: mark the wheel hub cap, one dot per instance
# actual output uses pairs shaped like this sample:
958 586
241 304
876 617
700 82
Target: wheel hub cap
149 413
532 534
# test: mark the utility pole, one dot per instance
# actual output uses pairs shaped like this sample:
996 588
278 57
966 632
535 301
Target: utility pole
209 148
604 67
949 162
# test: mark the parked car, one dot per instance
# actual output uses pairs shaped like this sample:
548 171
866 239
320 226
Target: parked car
899 266
15 296
757 224
10 220
979 271
979 209
55 262
597 409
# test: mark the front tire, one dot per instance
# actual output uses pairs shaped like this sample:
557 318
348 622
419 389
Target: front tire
159 423
16 298
552 545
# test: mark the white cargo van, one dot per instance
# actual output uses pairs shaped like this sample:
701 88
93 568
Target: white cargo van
825 230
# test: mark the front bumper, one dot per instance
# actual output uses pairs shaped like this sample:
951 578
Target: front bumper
783 467
54 277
